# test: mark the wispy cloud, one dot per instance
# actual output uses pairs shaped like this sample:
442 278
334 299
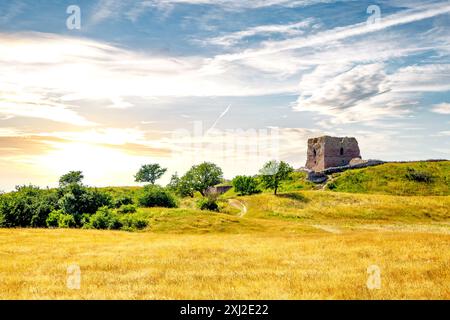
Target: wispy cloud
350 94
291 29
13 10
341 33
442 108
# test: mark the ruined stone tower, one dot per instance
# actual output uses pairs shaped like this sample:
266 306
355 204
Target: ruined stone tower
326 152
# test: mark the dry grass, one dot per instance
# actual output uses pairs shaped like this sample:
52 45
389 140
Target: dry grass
298 245
349 208
252 265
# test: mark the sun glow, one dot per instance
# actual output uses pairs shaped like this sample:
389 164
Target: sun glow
102 166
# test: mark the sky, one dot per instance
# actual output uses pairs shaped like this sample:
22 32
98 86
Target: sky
105 86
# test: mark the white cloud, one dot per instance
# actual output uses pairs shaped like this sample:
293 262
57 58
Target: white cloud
442 108
112 9
291 29
423 78
12 10
341 33
106 9
20 103
350 93
41 73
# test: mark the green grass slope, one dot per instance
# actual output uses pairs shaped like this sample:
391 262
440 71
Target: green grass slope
415 178
346 208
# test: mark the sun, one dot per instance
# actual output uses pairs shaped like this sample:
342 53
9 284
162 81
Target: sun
100 164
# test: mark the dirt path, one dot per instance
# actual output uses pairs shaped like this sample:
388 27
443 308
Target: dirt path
238 205
330 229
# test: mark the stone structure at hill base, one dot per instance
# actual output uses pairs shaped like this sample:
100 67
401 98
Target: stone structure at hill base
329 152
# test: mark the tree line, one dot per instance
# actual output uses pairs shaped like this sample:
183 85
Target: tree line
75 205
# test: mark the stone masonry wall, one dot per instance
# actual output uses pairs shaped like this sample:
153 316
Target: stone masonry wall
325 152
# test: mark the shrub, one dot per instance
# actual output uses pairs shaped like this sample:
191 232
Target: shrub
156 196
58 219
123 200
131 222
53 218
418 176
208 203
76 200
28 206
331 186
104 218
127 208
66 221
245 185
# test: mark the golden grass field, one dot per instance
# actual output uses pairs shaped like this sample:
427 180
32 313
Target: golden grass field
301 245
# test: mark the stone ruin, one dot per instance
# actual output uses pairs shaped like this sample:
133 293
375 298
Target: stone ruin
329 152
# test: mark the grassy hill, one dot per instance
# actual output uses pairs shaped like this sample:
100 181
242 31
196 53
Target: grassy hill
415 178
405 193
303 243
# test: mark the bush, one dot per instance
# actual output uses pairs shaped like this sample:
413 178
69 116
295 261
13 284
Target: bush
104 218
245 185
57 219
76 200
28 206
53 218
66 221
156 196
131 222
123 200
127 208
331 186
418 176
207 203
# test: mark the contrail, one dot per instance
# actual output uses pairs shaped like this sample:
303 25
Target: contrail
220 117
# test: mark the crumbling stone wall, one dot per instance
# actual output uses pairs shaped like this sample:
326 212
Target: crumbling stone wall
327 152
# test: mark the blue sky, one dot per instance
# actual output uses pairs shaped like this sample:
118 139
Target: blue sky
235 82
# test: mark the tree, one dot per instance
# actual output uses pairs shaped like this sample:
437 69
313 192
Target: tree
150 173
203 176
28 206
273 173
185 186
245 185
156 196
73 177
77 200
174 182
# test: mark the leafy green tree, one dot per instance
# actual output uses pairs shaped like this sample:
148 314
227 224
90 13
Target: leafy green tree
73 177
185 186
28 206
122 201
203 176
104 218
273 173
174 182
150 173
77 200
156 196
245 185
